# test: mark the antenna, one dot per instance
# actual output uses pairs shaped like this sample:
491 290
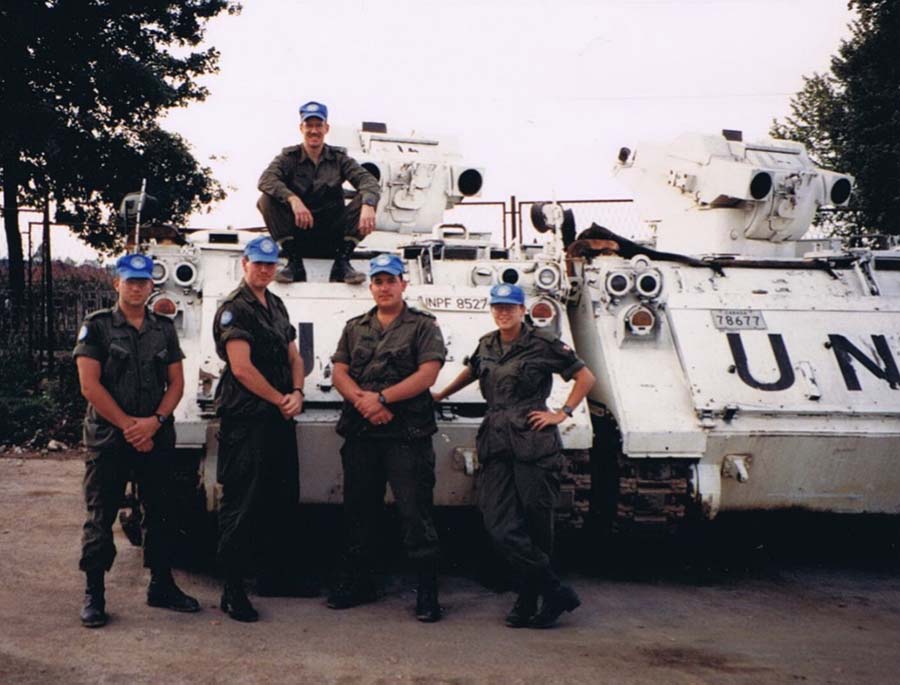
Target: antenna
137 223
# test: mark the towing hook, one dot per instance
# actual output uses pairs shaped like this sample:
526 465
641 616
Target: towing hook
736 466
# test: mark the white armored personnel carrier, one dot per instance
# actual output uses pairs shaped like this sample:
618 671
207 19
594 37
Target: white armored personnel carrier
739 365
450 269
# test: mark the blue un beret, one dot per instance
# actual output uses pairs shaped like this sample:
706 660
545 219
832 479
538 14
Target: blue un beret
386 263
313 109
134 266
506 293
262 249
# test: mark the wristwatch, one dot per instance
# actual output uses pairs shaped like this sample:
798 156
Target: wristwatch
567 410
162 418
381 398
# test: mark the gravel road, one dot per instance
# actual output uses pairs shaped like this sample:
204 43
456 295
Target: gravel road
829 613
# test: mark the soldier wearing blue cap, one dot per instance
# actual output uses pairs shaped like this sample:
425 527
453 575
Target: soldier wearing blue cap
257 398
386 361
129 367
520 451
303 206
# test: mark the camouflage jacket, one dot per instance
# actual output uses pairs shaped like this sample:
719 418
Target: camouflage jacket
269 331
134 366
516 379
380 358
318 185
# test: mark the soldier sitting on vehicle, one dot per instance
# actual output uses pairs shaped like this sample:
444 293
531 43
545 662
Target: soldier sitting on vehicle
302 201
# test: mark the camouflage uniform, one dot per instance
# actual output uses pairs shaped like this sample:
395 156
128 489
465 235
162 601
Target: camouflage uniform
320 187
399 452
257 463
135 372
518 484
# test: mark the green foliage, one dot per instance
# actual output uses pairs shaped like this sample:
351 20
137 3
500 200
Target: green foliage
34 410
850 117
37 406
82 88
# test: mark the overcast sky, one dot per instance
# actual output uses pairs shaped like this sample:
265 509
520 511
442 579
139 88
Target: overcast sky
541 94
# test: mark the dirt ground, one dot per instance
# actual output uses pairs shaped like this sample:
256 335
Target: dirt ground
822 616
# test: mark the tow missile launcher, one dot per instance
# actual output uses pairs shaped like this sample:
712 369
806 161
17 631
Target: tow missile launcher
739 365
450 269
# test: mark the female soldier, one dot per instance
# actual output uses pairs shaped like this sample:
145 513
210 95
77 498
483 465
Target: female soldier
519 449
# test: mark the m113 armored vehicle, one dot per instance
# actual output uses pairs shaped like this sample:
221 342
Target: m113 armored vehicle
450 269
739 365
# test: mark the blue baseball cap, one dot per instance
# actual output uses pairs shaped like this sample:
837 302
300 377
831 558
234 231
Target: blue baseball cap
134 266
387 264
506 293
262 249
313 109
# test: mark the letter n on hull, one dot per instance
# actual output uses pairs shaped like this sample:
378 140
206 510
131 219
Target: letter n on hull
844 350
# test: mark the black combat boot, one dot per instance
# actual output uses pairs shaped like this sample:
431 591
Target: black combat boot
427 608
163 593
293 271
350 592
93 614
556 601
235 602
523 610
342 271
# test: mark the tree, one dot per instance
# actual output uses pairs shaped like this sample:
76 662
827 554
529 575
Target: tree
849 118
82 88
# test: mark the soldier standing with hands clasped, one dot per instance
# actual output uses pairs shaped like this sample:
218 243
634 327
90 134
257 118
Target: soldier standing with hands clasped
260 393
129 367
520 450
385 363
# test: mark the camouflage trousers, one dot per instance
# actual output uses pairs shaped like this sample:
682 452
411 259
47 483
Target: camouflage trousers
409 468
516 500
107 470
258 514
332 228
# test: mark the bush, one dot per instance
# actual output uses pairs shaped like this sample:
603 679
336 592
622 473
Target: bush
36 408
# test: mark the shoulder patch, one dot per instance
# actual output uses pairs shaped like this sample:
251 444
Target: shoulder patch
226 318
82 334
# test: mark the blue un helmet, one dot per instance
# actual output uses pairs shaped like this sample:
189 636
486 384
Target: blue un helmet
387 264
134 266
313 109
506 293
262 249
